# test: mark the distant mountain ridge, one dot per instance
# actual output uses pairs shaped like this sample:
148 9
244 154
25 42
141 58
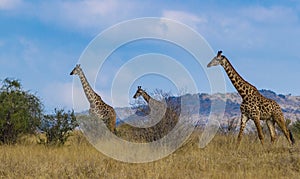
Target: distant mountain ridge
290 105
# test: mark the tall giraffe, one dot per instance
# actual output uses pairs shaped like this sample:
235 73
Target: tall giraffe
97 106
254 105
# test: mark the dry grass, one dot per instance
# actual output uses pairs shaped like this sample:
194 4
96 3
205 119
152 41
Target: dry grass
219 159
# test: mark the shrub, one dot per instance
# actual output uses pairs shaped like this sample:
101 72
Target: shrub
296 128
58 127
20 111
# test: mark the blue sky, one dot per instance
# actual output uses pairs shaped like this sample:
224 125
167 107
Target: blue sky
41 41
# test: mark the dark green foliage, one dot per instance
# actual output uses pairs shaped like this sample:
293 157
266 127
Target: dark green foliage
296 128
20 111
58 127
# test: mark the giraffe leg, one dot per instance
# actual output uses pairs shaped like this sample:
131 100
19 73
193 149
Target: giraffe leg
259 129
244 120
112 127
109 125
270 124
281 123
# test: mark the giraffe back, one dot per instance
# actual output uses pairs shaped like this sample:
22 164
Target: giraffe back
104 112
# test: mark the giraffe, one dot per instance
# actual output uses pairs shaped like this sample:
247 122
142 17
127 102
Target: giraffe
157 108
254 105
166 113
143 93
97 106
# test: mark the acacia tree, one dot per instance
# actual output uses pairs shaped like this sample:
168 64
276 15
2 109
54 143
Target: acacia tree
20 111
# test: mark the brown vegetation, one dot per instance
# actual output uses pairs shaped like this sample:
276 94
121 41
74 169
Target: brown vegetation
220 159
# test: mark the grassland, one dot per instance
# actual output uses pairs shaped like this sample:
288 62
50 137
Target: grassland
220 159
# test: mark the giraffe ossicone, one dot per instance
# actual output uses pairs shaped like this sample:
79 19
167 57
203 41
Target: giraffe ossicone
254 105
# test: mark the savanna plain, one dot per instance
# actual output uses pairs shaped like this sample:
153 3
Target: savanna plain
219 159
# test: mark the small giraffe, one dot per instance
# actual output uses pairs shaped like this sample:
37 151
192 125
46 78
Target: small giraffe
157 108
254 105
141 92
168 115
97 106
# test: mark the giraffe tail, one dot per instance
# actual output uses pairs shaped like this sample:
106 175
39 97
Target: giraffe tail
292 137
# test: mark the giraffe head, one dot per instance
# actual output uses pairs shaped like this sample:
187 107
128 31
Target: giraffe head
76 70
217 60
139 92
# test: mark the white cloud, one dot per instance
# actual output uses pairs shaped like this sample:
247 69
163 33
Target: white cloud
9 4
87 15
184 17
225 27
78 15
250 28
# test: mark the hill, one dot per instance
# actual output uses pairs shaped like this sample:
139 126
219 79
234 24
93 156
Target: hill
290 106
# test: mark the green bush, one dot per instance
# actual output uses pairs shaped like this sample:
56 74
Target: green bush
296 128
58 127
20 111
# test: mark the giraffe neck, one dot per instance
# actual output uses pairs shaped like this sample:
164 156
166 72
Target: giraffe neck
89 92
146 97
243 87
